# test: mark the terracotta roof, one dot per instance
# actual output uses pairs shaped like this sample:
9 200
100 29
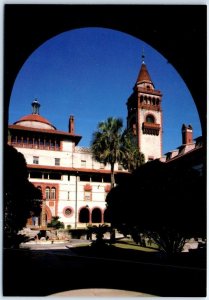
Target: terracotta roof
48 131
20 127
83 170
182 153
143 75
35 118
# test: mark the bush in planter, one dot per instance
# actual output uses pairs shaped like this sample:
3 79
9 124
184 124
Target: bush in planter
99 231
55 223
77 233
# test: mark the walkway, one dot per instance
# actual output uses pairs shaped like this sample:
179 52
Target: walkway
100 293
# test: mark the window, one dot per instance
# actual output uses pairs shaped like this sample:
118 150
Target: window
57 161
55 176
150 119
83 163
46 175
87 195
35 174
36 160
47 193
84 177
102 166
53 193
68 211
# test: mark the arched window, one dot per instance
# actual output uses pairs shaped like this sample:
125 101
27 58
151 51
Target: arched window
53 193
150 119
47 193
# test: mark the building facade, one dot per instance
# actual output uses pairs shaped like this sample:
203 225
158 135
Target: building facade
73 184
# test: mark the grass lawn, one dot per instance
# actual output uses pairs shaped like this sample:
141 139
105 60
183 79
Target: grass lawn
128 244
128 250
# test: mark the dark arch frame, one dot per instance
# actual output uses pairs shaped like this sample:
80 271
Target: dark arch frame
26 27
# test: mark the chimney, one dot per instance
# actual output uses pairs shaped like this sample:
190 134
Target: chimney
187 134
71 125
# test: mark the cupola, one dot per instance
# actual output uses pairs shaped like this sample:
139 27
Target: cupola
34 120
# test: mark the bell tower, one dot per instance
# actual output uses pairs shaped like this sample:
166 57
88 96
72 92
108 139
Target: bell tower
145 115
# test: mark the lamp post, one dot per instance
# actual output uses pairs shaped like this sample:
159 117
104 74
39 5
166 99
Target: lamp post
43 213
76 198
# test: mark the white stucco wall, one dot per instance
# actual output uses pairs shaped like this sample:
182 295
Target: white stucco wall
150 145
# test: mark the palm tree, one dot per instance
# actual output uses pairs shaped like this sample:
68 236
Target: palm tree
132 157
106 143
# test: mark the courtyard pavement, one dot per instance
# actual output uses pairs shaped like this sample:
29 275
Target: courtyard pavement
100 293
56 270
90 292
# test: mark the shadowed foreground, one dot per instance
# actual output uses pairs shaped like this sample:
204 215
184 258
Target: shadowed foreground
47 272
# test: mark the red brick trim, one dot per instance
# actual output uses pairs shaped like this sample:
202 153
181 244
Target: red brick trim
49 214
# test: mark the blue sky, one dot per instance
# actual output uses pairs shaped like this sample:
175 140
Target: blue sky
90 73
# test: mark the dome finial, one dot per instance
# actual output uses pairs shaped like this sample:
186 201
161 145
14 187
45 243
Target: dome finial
35 105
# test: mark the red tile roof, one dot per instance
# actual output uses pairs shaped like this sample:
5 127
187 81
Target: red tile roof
35 118
144 75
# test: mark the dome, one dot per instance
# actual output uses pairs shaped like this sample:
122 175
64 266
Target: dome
34 120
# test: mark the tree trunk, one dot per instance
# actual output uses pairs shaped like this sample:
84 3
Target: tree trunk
112 176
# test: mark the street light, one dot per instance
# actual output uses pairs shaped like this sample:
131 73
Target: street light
76 197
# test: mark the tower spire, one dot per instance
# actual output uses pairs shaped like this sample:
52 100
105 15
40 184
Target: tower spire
143 56
143 76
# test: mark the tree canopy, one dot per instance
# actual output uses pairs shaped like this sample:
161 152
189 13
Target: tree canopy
111 144
106 143
132 158
161 197
20 195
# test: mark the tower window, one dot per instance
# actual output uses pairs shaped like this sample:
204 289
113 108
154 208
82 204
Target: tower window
150 119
